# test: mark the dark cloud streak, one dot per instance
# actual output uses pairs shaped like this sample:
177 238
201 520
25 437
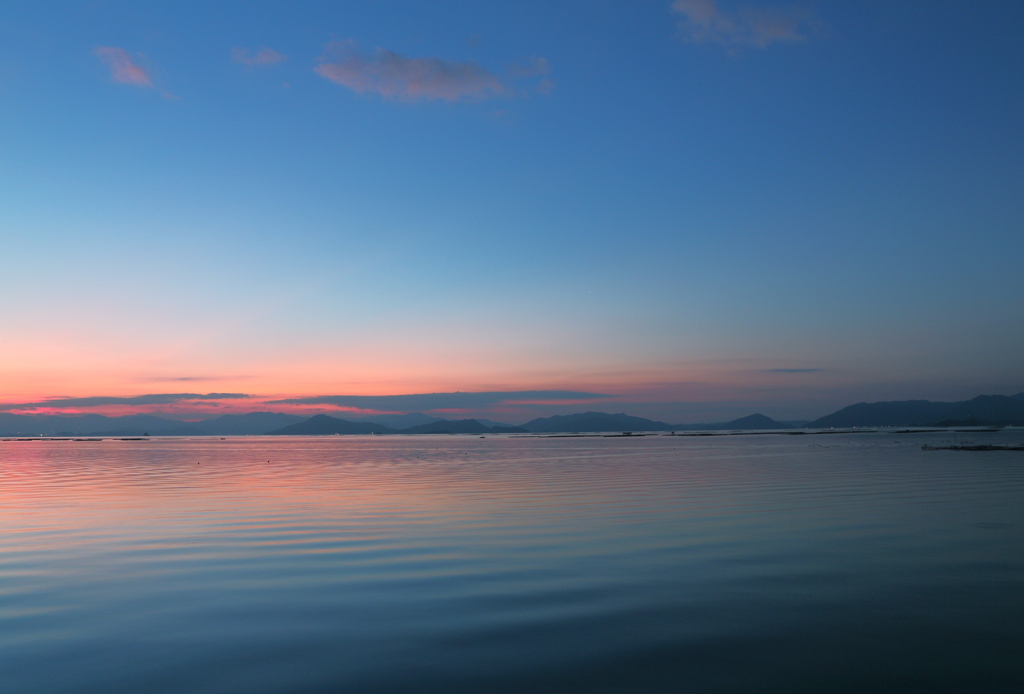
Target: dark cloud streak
439 401
105 401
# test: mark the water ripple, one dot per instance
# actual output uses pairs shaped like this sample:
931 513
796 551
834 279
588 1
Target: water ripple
754 563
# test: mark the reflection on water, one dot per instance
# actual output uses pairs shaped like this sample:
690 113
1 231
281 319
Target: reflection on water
733 564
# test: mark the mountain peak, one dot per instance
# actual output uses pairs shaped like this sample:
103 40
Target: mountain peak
755 421
984 409
594 421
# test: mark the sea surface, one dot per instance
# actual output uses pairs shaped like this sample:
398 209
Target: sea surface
759 563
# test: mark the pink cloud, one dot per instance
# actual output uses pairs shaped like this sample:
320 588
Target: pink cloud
703 22
396 77
264 56
122 67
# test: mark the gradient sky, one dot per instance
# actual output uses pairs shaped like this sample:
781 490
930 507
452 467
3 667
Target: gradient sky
694 209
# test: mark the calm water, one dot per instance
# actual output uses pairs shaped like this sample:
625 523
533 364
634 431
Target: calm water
456 564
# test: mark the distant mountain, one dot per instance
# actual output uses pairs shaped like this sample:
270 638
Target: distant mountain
253 423
984 409
139 424
462 426
748 423
414 419
600 421
322 424
754 421
594 421
88 424
398 421
492 423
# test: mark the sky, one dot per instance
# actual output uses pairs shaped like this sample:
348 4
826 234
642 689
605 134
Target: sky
687 210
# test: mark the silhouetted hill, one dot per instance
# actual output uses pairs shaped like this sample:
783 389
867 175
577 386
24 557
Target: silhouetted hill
321 425
492 423
984 409
139 424
253 423
404 422
87 424
600 421
594 421
398 421
324 425
754 421
462 426
748 423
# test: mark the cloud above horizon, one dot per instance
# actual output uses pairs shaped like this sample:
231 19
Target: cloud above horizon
792 371
106 401
264 56
123 68
439 401
398 78
703 22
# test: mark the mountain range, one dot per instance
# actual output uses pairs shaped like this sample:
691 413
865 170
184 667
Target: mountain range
984 410
277 423
600 421
323 424
980 411
405 421
253 423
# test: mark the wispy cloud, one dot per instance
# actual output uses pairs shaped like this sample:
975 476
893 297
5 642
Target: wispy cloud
534 67
529 68
399 78
703 22
123 67
792 371
264 56
545 86
439 401
106 401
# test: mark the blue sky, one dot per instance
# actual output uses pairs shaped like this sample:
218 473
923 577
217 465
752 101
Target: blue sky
666 202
